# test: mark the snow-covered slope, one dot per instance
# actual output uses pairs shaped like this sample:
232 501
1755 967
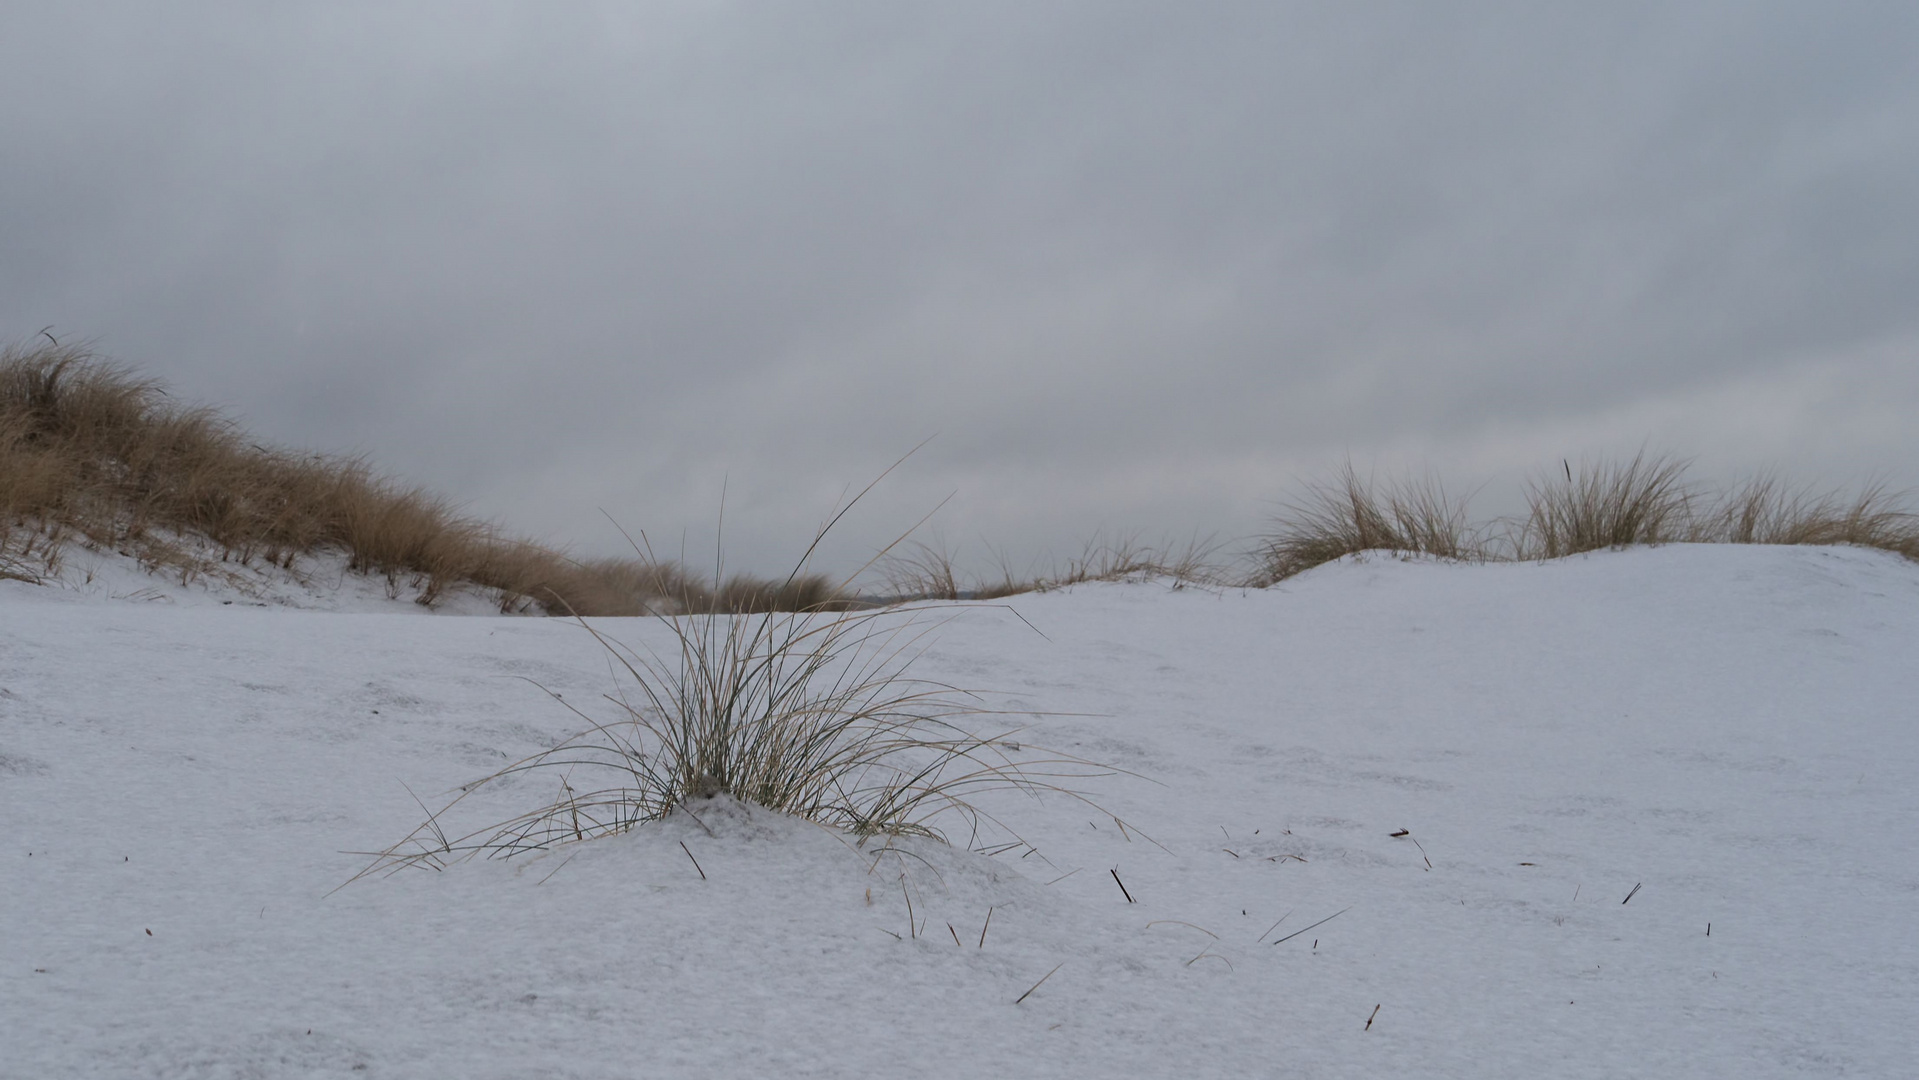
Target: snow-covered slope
1726 735
193 572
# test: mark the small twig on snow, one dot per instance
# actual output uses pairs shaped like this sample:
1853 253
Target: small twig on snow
1035 986
1321 922
696 862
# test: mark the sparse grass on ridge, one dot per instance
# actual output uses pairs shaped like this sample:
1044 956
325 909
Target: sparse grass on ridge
920 570
1574 509
91 454
1764 511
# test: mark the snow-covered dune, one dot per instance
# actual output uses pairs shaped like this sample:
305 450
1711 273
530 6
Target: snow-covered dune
1724 735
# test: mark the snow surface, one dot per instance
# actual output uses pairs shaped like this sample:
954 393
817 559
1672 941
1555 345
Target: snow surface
198 573
1727 730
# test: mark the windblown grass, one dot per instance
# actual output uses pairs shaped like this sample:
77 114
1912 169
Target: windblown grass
1574 509
1352 514
92 454
923 570
1607 505
809 713
1765 511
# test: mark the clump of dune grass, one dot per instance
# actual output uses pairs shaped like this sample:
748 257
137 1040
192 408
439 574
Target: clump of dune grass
1648 501
1765 511
1608 505
92 454
1574 509
809 713
1352 514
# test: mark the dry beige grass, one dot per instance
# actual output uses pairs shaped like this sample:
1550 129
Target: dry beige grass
1764 511
1645 500
1352 514
1608 505
919 570
92 454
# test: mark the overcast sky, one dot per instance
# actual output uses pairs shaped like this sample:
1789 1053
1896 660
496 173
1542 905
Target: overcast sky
1139 267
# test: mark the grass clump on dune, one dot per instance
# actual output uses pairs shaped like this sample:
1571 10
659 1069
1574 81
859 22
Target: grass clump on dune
1764 511
1352 514
92 454
1575 509
809 713
1647 501
1606 506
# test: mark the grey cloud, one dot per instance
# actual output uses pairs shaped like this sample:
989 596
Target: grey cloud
1135 262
